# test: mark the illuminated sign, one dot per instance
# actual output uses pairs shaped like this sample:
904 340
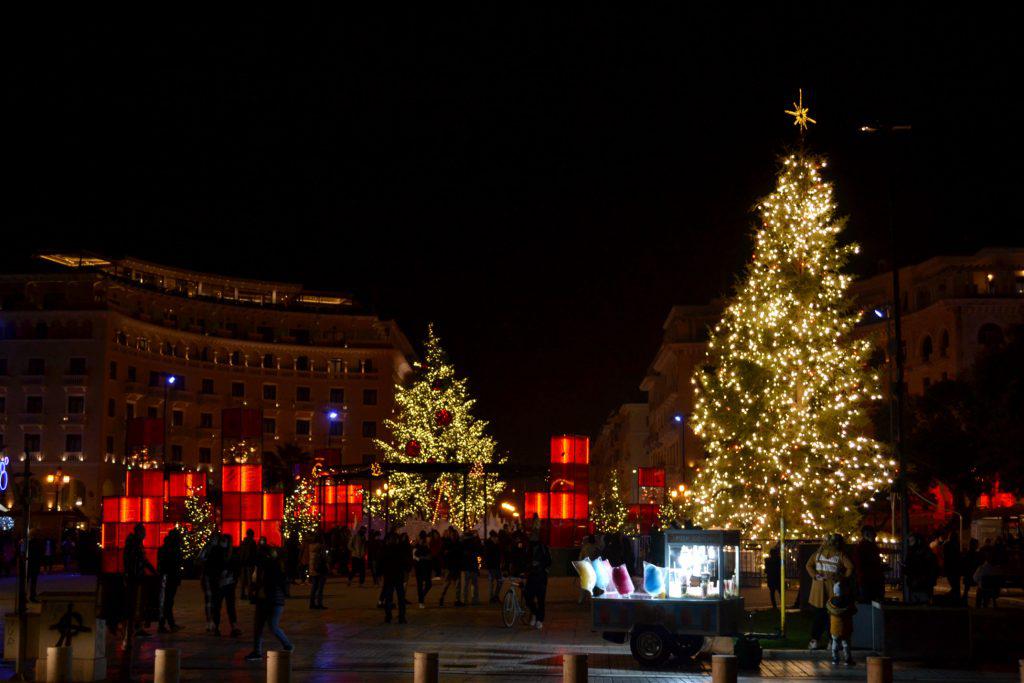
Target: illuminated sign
4 461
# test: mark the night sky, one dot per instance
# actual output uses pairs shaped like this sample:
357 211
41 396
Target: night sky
543 183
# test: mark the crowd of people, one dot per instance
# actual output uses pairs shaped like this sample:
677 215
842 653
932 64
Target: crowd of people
845 575
261 574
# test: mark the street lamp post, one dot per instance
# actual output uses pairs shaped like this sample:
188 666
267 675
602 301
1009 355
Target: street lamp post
24 500
896 390
169 381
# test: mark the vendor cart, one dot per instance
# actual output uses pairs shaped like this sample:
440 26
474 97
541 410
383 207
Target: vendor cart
701 599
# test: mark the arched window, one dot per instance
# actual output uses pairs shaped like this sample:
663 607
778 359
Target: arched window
990 336
944 344
926 348
268 361
236 357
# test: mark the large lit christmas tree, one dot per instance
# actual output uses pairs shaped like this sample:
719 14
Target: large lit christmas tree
434 423
780 399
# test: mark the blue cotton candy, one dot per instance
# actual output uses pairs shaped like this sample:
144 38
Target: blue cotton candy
654 579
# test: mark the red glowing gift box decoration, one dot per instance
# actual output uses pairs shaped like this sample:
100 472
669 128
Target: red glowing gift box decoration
242 478
340 504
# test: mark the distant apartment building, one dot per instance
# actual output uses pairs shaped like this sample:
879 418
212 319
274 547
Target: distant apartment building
620 448
953 309
671 444
86 347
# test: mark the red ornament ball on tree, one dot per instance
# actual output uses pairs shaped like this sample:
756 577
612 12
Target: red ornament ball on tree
412 449
444 417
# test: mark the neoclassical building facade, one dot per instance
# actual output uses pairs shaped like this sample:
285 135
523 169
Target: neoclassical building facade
92 343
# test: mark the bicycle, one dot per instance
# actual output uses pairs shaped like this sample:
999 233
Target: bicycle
513 607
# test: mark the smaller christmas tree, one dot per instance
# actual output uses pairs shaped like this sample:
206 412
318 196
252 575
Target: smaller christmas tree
673 511
197 527
301 515
610 513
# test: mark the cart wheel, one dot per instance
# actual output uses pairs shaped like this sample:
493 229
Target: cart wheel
509 609
687 647
650 645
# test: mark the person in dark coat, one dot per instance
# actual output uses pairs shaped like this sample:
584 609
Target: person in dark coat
971 562
922 570
395 562
424 568
452 565
213 567
952 566
268 596
35 565
868 568
169 560
492 559
535 592
230 568
773 573
135 567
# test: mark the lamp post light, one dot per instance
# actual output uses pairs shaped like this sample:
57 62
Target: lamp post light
169 381
886 133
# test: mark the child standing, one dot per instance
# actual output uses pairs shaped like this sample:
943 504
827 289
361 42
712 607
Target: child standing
840 612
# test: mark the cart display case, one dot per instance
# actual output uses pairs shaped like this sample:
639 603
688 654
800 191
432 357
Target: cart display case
701 599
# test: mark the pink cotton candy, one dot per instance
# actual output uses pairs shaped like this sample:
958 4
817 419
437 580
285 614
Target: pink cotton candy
621 579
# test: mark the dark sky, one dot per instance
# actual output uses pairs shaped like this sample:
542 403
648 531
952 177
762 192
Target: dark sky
543 183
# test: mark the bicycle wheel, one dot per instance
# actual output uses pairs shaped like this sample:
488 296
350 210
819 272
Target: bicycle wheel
509 609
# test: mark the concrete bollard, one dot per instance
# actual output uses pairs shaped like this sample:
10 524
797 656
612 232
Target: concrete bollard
574 668
425 667
166 665
279 666
723 668
58 664
879 669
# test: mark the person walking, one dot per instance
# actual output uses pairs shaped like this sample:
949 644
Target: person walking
269 593
169 560
35 564
471 551
826 566
211 547
135 567
952 565
868 568
395 561
374 548
247 554
452 565
357 548
424 568
213 569
492 560
971 562
773 574
436 553
226 585
316 560
922 569
536 589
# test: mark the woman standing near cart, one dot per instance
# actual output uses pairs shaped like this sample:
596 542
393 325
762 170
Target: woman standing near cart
826 566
